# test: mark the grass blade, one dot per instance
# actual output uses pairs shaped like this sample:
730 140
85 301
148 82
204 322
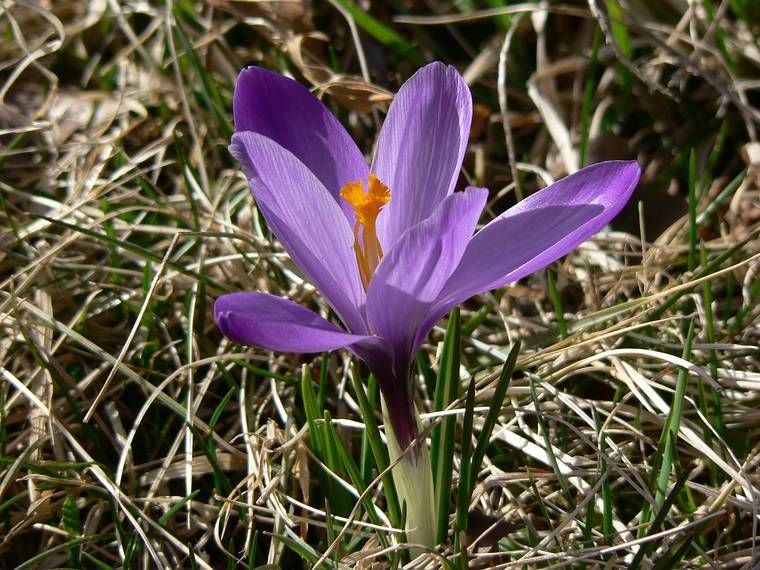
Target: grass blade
673 423
379 452
544 430
465 468
493 411
383 34
692 210
446 389
312 412
353 472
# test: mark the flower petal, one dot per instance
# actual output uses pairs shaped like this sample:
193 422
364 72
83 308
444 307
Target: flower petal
306 220
539 230
274 323
421 147
411 276
286 112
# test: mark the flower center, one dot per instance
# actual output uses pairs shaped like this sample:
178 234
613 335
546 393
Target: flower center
367 206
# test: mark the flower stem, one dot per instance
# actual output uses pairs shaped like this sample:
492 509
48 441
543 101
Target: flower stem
413 478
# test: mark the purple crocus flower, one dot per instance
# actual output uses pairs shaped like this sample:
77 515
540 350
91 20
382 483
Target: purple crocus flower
391 260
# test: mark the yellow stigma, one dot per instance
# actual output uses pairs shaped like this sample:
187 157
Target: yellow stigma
366 206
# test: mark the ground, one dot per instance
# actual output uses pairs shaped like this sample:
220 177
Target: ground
132 434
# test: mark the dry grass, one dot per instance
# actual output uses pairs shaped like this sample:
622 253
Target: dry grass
133 435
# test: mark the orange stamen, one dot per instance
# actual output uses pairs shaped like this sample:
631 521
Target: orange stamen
367 206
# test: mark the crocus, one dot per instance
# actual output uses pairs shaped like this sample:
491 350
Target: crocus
391 247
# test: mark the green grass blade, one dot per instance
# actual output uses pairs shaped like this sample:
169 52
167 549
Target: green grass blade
383 34
446 389
366 448
36 561
211 99
339 497
721 198
476 320
353 472
692 210
176 507
588 96
673 557
720 37
544 430
493 411
711 267
622 38
465 468
312 412
707 294
647 548
673 423
557 302
95 562
72 523
136 249
607 505
301 548
323 447
379 452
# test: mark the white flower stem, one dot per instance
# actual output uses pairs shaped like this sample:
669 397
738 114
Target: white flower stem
413 477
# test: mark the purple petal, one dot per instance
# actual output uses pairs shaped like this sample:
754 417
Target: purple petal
421 146
307 221
274 323
286 112
539 230
411 276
